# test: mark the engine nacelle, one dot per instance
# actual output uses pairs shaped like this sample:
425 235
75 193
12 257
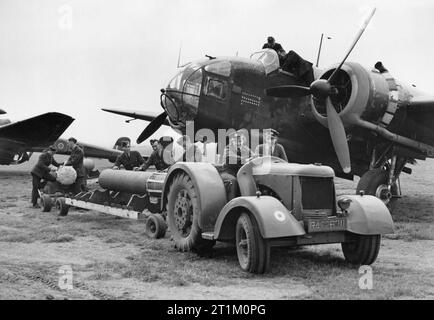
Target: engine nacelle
362 95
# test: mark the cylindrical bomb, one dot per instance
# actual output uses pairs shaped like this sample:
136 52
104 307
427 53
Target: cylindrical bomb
124 181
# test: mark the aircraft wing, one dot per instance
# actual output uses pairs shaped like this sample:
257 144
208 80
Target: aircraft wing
420 119
39 131
90 150
135 114
422 105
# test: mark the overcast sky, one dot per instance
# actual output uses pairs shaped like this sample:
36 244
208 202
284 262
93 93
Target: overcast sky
80 55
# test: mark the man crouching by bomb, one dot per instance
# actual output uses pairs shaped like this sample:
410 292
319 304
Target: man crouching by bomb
41 171
162 157
130 159
76 161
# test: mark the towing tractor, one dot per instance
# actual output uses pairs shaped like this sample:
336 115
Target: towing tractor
277 204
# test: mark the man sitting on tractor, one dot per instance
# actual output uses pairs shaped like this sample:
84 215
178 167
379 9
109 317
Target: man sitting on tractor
235 155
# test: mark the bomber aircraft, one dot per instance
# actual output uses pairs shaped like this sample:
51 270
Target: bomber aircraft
360 121
20 139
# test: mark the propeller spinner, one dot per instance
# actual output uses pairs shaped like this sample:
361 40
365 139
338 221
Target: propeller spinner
322 90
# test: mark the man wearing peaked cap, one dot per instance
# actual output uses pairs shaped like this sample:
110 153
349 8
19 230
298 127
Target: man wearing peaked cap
270 147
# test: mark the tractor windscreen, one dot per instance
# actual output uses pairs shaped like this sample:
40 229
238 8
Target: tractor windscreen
317 193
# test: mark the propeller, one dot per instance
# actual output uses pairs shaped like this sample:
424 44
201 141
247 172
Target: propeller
339 137
152 127
322 90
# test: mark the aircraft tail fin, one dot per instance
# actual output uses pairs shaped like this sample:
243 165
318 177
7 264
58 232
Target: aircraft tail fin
120 143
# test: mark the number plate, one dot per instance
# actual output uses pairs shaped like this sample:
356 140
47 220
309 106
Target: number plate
329 224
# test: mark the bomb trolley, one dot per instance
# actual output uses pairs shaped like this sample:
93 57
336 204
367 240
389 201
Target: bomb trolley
51 193
127 194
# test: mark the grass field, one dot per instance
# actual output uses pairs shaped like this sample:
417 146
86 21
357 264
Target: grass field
111 258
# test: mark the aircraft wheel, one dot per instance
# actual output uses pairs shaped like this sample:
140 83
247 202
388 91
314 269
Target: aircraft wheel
183 216
374 182
156 226
363 250
252 250
61 206
46 203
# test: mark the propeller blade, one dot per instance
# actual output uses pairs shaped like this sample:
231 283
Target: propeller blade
339 137
152 127
359 34
289 91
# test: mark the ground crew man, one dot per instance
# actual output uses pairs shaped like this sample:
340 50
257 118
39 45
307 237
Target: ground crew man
270 147
42 171
162 157
235 155
130 160
191 151
272 44
76 161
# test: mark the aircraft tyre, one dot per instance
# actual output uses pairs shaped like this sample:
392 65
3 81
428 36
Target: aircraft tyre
62 207
155 226
46 203
374 182
252 250
363 251
183 216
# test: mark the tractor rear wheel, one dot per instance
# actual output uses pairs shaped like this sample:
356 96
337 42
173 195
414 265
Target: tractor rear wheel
183 213
363 250
156 226
374 182
46 203
252 250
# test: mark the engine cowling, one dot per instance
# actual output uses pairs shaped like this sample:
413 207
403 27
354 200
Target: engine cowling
362 94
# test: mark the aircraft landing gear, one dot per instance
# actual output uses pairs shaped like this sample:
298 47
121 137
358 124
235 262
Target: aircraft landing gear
383 182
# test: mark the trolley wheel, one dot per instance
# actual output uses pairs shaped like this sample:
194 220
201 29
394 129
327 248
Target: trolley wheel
45 203
156 226
61 206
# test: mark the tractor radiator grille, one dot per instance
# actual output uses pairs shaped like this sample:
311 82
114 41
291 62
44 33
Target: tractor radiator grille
316 214
318 194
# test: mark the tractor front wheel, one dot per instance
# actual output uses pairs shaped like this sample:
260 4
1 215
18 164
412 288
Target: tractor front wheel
252 250
363 250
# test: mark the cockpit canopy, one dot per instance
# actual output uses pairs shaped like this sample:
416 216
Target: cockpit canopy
268 58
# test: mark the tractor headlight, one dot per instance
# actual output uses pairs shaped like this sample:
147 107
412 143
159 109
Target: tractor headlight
344 203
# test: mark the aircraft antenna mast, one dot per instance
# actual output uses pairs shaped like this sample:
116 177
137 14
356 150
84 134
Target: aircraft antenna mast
179 55
319 49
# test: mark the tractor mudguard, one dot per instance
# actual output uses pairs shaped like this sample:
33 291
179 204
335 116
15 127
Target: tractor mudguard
209 187
273 219
368 215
